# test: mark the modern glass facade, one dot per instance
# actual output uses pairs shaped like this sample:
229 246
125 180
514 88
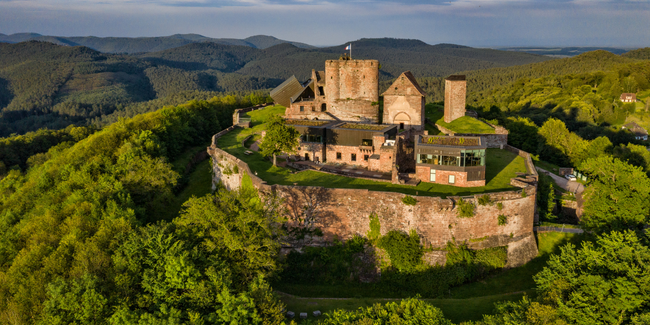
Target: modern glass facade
467 158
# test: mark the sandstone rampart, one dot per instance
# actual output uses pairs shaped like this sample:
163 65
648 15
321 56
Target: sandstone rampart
343 213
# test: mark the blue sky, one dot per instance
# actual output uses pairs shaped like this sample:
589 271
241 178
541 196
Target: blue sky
481 23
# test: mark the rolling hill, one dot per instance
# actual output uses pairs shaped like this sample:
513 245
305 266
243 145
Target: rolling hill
146 44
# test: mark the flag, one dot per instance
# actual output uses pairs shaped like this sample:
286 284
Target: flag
348 47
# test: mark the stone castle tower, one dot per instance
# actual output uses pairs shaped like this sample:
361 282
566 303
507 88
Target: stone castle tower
455 89
347 90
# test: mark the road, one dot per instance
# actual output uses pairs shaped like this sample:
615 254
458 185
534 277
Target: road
570 186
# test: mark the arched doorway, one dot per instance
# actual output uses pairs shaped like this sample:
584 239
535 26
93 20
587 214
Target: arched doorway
403 120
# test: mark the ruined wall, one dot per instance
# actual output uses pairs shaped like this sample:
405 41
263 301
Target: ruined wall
344 213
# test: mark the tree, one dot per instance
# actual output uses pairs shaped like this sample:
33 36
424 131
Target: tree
602 283
618 196
606 282
279 138
407 311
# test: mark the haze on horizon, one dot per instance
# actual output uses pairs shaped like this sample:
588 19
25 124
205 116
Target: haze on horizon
478 23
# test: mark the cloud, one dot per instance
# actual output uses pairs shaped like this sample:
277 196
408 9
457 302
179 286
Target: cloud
321 22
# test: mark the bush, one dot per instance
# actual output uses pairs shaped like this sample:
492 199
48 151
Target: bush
502 220
500 206
465 209
409 200
484 200
404 250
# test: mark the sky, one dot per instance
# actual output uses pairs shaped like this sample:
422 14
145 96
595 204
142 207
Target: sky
477 23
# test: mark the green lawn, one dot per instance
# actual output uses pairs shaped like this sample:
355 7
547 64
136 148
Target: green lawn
502 165
466 124
457 310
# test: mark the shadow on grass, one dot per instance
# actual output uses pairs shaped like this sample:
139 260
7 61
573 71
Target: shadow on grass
520 278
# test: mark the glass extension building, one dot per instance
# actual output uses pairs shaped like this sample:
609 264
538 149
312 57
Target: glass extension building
449 160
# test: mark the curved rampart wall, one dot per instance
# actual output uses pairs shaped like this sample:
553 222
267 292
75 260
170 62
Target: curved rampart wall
344 213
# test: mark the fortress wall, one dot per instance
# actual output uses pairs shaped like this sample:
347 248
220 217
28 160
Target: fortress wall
343 213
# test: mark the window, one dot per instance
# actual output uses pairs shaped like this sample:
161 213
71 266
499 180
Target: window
365 157
433 175
310 138
323 107
401 126
452 179
353 157
471 158
366 142
313 109
302 108
338 156
321 91
306 156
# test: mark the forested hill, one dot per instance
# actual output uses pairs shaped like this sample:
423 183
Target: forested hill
480 82
53 86
395 55
147 44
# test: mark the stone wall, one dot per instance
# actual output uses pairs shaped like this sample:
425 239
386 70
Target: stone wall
343 213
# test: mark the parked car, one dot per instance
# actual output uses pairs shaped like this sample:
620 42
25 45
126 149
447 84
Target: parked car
570 177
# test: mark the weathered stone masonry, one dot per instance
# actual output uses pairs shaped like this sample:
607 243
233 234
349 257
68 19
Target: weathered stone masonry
345 212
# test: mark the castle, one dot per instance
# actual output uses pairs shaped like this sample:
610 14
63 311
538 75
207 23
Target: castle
337 114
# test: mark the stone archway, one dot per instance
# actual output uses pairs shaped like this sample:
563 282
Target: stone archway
402 118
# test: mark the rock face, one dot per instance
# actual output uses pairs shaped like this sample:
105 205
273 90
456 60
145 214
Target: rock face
343 213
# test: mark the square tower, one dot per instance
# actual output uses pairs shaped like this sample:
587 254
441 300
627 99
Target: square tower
455 89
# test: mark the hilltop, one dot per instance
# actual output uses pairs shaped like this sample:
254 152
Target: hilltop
146 44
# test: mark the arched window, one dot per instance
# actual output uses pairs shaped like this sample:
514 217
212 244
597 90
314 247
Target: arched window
323 107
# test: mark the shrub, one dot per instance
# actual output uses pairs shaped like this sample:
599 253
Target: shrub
502 220
235 169
485 200
375 227
465 209
500 206
523 193
409 200
404 250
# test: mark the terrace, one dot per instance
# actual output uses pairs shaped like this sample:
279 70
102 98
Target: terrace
501 165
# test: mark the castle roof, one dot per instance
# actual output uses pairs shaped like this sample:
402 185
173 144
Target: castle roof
395 88
283 93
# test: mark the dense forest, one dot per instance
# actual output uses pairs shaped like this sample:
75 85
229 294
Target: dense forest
87 238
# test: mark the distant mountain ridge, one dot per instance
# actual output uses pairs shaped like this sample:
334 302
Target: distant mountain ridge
147 44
